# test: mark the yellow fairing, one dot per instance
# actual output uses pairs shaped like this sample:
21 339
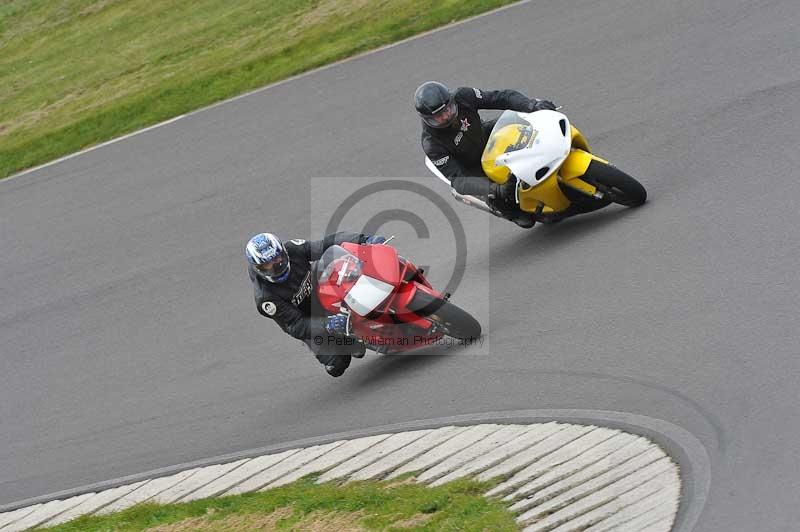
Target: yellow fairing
512 137
546 197
575 166
577 162
546 192
578 140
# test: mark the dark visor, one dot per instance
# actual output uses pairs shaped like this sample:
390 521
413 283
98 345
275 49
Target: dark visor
443 117
275 267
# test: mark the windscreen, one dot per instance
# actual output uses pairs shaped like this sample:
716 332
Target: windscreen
511 133
338 265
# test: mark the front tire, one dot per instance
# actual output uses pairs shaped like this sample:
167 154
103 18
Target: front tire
619 186
454 321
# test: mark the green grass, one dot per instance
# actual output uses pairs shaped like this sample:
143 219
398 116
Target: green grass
457 506
74 73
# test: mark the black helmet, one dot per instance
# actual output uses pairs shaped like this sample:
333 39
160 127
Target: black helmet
435 104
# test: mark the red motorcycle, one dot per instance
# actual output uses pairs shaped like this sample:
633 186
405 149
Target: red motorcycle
392 307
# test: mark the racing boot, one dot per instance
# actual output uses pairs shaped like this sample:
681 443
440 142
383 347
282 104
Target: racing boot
504 200
501 197
337 364
359 350
523 219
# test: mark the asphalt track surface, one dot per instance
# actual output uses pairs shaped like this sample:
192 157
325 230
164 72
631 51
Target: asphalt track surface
130 341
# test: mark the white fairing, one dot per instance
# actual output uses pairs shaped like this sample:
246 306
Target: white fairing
367 294
549 148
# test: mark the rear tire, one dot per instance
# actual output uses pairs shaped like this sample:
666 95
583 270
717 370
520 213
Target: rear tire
621 188
451 319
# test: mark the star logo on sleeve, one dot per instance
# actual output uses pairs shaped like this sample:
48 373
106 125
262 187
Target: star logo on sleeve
465 125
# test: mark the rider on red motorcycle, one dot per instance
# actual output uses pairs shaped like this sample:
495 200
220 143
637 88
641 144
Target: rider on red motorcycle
284 291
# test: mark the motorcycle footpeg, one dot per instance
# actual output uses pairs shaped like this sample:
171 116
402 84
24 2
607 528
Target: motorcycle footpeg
446 296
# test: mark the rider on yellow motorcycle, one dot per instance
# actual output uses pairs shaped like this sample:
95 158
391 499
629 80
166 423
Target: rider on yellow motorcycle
454 137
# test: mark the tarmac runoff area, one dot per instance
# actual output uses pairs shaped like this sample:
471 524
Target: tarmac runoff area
557 476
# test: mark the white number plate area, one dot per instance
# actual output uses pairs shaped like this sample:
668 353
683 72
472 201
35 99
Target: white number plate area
367 294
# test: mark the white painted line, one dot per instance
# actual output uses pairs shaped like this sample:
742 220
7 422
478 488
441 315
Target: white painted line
650 508
331 459
95 147
94 503
388 446
409 452
534 434
602 504
202 478
146 491
268 87
239 475
622 505
45 512
617 466
664 524
567 452
536 452
564 477
518 461
11 517
448 448
593 494
467 455
591 463
563 454
283 467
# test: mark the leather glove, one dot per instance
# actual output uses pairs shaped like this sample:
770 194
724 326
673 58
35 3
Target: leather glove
337 324
505 193
375 239
539 105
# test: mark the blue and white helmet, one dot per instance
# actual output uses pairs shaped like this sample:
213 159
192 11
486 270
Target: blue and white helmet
269 257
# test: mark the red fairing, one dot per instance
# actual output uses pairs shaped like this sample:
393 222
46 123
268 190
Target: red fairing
391 324
333 291
331 296
380 262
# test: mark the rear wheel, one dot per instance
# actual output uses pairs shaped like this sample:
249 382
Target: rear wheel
619 186
450 319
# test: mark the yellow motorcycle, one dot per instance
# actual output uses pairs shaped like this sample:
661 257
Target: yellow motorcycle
556 173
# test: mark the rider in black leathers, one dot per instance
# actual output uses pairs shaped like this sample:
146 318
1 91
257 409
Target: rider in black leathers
283 282
453 138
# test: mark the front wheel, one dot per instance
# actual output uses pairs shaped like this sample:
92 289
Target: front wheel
619 186
449 318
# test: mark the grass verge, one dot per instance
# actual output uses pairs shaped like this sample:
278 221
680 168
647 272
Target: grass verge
305 505
74 73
